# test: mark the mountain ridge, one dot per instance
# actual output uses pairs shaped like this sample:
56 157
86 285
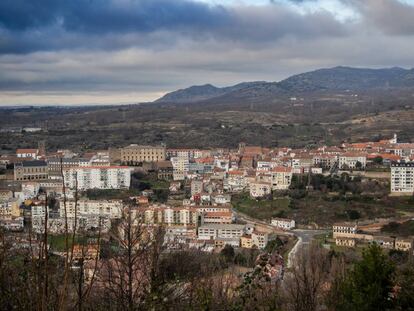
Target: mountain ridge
339 78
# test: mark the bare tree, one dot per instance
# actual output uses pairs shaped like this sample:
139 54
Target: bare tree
126 279
304 283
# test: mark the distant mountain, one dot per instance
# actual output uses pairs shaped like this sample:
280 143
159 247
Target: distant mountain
347 78
202 92
321 80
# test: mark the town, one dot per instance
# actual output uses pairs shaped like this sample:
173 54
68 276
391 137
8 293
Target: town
191 192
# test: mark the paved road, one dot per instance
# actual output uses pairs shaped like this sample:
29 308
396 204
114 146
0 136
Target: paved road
305 238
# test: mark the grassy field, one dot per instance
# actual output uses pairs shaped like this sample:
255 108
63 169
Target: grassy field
58 242
261 209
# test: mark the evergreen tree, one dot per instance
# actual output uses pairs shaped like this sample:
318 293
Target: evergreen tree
369 286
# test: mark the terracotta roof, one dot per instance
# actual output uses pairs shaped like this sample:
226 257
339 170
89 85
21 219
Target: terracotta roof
353 154
282 169
236 172
218 214
26 151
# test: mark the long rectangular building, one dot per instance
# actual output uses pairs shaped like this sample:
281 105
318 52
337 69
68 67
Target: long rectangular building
98 177
134 154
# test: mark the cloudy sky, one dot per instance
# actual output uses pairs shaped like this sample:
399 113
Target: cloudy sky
126 51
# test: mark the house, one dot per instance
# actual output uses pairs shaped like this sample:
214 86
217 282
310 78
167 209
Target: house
350 160
218 199
5 195
260 189
384 241
143 200
221 242
283 223
403 244
217 217
12 224
343 241
281 177
56 165
28 153
165 170
246 241
236 180
346 230
9 209
260 239
325 161
85 252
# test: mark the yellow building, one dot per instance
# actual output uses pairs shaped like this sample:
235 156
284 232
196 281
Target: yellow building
343 241
246 241
138 153
403 244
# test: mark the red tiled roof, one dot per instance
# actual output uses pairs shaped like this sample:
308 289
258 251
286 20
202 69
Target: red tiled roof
282 169
26 151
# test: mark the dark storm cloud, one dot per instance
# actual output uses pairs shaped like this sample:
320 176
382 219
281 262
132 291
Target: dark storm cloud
55 50
100 16
58 24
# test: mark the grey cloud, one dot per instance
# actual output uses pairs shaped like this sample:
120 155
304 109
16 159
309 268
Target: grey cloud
389 16
88 24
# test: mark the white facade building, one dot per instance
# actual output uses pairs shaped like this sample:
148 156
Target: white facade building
95 177
283 223
220 231
402 178
180 167
281 178
108 208
351 160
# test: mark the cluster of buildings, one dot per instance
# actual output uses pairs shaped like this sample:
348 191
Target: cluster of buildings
210 177
206 227
349 235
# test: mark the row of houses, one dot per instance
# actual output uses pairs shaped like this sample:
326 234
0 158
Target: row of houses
347 234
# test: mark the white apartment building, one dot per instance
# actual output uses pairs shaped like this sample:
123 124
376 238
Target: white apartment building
260 239
351 160
27 153
402 178
220 231
236 181
58 225
283 223
281 177
108 208
325 160
95 177
180 167
186 153
170 216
